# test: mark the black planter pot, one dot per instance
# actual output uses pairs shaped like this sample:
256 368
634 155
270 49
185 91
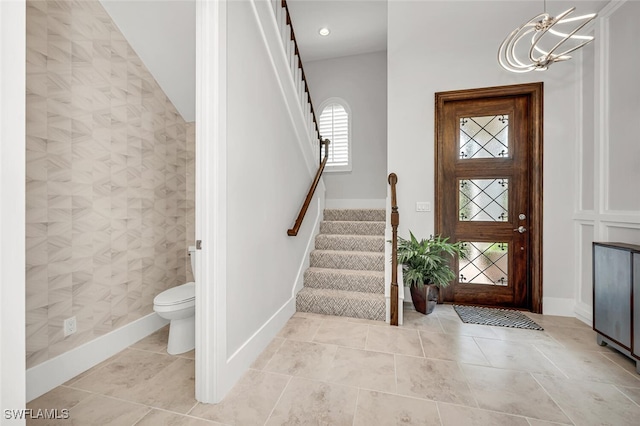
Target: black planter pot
425 298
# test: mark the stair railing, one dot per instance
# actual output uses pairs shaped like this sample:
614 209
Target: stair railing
307 201
288 35
395 220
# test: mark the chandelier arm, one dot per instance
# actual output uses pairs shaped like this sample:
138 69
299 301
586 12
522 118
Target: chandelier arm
507 48
539 26
546 27
566 38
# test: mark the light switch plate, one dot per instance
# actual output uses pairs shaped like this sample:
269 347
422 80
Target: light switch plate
423 206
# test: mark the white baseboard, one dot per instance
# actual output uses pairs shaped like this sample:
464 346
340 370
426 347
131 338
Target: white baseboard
56 371
559 306
351 203
299 283
240 361
584 313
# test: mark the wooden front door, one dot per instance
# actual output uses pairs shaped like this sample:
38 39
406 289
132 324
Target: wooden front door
489 193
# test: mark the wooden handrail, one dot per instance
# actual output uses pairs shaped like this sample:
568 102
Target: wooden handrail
304 77
296 226
395 220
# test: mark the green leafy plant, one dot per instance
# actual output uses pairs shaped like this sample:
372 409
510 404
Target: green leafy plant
427 261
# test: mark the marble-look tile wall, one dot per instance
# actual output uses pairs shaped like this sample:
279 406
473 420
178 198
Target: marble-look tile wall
110 180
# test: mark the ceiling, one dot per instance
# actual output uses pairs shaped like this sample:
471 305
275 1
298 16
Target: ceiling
162 32
356 27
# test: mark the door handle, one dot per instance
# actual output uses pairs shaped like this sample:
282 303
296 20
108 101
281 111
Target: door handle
521 229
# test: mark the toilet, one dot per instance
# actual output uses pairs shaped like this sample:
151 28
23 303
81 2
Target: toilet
178 304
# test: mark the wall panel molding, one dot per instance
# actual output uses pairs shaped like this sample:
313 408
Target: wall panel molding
606 221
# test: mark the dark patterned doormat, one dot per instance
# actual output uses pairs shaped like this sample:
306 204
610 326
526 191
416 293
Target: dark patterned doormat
494 316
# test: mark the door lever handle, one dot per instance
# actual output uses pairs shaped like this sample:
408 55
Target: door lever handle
521 229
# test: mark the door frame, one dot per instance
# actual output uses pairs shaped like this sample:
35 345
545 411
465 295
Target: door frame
534 91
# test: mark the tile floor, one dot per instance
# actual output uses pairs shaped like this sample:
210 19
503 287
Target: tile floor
320 370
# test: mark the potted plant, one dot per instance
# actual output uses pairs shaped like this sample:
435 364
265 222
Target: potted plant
425 267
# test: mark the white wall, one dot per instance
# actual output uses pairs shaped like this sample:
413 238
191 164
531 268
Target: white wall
608 204
361 80
427 54
12 207
258 162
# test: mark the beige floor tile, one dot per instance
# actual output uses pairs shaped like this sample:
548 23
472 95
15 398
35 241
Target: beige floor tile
631 393
620 359
552 320
536 422
155 342
445 310
512 392
575 338
131 369
365 369
433 379
266 355
304 359
590 403
417 321
394 340
103 411
455 415
376 408
311 402
94 369
524 335
590 366
190 355
313 315
515 355
249 402
368 322
300 328
173 388
452 347
341 333
59 398
451 326
158 417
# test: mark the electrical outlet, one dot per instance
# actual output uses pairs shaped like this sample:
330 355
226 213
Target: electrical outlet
70 326
423 206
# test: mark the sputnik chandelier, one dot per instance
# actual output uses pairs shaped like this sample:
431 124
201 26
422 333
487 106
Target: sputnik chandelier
552 39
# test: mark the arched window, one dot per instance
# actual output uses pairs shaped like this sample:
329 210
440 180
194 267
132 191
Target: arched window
335 125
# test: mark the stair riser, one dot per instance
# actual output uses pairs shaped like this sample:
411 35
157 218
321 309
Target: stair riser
350 243
352 228
373 310
337 281
337 260
355 215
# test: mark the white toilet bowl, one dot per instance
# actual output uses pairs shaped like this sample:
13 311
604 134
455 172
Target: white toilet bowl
178 304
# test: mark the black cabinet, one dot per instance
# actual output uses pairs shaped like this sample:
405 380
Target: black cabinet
616 297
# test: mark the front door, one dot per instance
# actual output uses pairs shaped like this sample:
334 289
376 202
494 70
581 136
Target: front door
489 193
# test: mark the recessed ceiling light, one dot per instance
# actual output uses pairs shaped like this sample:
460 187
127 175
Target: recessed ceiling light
324 31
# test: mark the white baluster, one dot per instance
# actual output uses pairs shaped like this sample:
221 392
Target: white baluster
279 17
301 95
284 27
292 59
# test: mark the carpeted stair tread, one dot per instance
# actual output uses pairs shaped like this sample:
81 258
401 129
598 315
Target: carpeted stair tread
354 260
355 214
345 279
341 303
352 227
373 243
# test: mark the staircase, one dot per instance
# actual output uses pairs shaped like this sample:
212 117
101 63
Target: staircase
346 273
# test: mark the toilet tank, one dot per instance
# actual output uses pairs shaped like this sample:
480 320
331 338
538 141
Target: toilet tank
192 256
